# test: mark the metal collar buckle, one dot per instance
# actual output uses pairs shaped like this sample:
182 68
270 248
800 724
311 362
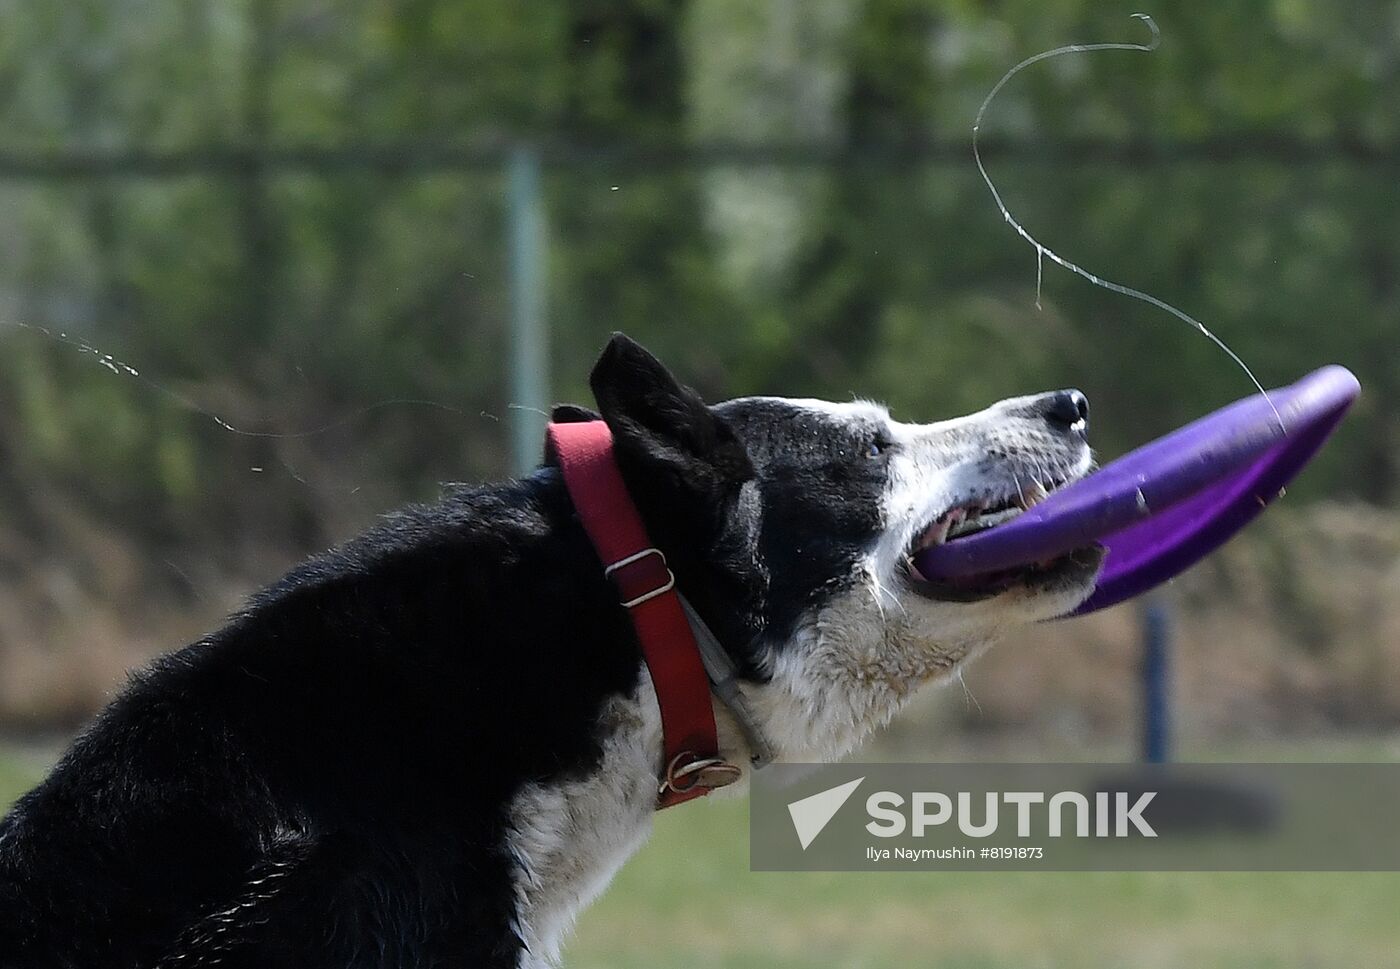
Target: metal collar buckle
663 588
687 772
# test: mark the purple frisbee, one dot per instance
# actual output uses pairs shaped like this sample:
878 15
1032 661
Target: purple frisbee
1160 508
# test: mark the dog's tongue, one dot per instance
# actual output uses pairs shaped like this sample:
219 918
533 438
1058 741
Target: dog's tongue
1162 507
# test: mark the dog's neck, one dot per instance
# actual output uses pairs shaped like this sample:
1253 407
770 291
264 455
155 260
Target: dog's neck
844 675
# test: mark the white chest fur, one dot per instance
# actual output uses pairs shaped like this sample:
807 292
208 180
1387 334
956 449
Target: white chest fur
568 839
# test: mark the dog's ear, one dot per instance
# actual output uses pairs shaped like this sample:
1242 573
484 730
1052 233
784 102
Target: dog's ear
573 414
566 414
662 426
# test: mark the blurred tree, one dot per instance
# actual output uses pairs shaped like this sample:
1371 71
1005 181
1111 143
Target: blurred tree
758 190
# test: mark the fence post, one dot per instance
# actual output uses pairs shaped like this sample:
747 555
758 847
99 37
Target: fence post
529 337
1156 701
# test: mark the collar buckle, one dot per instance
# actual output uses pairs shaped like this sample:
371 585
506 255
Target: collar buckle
687 774
652 578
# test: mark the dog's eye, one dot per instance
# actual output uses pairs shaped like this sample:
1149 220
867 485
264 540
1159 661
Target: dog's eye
875 448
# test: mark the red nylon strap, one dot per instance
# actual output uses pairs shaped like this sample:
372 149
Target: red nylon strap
645 585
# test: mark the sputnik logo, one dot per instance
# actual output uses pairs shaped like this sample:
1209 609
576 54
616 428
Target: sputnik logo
813 813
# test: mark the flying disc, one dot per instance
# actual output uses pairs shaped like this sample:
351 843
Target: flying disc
1157 510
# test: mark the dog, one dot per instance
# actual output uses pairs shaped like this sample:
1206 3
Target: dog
433 746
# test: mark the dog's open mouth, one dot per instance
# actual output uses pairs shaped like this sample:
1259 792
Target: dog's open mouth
979 515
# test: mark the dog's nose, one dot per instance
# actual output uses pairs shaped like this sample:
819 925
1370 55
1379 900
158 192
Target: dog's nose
1068 410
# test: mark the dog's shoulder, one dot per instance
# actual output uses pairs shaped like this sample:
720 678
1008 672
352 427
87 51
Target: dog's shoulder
409 683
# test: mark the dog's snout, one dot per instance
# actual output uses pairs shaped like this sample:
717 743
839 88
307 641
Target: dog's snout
1067 410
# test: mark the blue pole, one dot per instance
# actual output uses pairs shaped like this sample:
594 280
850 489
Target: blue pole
1156 640
529 337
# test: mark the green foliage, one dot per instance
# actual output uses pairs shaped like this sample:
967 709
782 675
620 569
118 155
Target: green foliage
288 298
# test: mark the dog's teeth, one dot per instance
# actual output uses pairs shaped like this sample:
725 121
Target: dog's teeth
935 534
1035 494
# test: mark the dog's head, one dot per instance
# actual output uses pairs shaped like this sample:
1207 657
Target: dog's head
791 524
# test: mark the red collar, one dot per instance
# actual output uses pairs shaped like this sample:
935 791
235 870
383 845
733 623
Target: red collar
647 589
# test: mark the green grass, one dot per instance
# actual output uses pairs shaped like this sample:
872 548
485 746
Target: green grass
689 900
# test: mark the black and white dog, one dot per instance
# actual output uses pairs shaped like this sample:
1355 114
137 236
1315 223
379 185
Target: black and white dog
433 746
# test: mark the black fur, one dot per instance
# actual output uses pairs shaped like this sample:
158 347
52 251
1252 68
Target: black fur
363 723
323 782
820 483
